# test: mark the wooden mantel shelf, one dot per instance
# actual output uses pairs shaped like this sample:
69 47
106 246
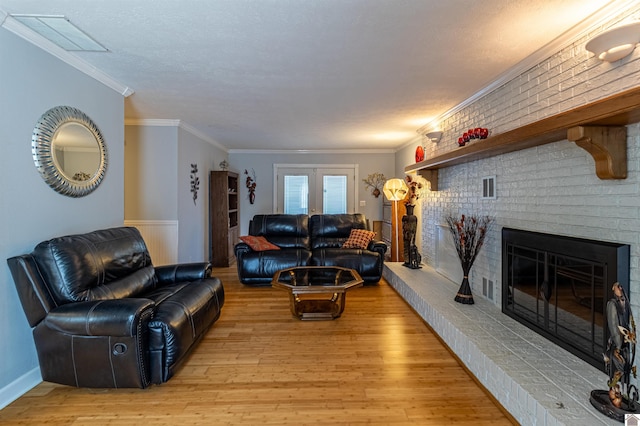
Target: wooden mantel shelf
597 127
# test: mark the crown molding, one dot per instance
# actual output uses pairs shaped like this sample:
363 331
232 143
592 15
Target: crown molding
161 122
605 14
195 132
413 141
312 151
13 25
157 122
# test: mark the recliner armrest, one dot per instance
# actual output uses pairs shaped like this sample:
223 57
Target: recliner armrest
114 317
169 274
378 247
241 248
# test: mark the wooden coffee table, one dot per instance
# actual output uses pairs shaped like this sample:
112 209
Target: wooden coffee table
317 292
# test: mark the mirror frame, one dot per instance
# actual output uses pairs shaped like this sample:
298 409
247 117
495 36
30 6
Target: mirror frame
41 147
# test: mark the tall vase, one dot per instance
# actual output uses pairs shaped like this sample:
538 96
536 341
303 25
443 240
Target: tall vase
412 257
464 294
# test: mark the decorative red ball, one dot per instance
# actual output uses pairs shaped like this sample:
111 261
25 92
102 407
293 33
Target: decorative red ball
419 154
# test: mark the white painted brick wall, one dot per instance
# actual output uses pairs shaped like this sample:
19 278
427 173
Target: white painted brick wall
552 188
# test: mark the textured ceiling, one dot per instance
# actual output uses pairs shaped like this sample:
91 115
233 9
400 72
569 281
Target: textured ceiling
309 75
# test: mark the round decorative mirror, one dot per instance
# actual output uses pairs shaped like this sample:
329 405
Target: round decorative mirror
69 151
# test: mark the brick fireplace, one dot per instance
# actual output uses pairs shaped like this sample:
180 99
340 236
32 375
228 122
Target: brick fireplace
559 286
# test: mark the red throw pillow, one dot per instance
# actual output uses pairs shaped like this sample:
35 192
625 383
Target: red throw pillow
359 238
259 243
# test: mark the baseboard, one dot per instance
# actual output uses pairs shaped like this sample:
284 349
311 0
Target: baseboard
19 387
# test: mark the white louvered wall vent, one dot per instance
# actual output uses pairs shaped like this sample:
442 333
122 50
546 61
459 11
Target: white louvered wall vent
489 187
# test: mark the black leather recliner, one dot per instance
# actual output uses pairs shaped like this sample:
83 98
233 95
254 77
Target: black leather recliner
287 231
104 316
307 241
330 231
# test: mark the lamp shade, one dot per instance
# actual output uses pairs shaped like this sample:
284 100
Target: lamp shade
395 189
615 43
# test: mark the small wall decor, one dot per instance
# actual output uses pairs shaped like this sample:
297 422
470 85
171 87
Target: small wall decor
251 185
195 182
375 181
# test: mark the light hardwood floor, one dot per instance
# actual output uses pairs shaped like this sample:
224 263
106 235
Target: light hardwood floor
377 364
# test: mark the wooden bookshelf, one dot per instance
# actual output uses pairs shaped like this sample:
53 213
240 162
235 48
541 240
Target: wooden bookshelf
224 214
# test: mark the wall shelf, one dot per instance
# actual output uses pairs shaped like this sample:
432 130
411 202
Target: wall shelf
598 127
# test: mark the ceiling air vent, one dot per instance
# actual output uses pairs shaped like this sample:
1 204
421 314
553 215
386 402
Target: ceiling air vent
59 30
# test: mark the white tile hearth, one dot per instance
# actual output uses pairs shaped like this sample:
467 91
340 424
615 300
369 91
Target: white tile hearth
538 382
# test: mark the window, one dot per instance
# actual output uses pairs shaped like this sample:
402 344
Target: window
296 194
334 194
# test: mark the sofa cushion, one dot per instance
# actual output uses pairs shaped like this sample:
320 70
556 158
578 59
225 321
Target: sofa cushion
359 239
283 230
259 243
367 263
258 267
332 230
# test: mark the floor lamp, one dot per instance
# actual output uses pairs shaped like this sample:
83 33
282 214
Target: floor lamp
395 190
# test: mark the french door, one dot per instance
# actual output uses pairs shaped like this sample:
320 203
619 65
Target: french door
314 189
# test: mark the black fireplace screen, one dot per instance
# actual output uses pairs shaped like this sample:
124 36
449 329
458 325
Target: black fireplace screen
559 286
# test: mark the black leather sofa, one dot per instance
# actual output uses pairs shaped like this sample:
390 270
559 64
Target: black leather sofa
105 317
307 240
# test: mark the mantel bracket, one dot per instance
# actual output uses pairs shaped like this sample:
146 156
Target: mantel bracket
607 145
430 176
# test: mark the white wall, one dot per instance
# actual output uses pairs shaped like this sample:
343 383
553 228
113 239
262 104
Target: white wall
262 163
32 82
151 173
193 218
158 162
552 188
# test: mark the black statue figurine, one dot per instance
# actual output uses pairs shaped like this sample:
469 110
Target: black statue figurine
620 352
619 357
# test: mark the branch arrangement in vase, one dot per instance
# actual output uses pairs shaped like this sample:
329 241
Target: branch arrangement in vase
468 234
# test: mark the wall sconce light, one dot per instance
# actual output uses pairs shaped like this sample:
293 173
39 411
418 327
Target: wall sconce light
434 136
615 43
395 190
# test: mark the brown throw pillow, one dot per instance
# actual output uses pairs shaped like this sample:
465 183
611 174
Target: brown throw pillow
359 238
259 243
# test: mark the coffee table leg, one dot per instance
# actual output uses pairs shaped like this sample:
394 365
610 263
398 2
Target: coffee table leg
340 300
317 309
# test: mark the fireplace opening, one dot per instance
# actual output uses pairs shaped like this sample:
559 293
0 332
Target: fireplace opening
559 287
